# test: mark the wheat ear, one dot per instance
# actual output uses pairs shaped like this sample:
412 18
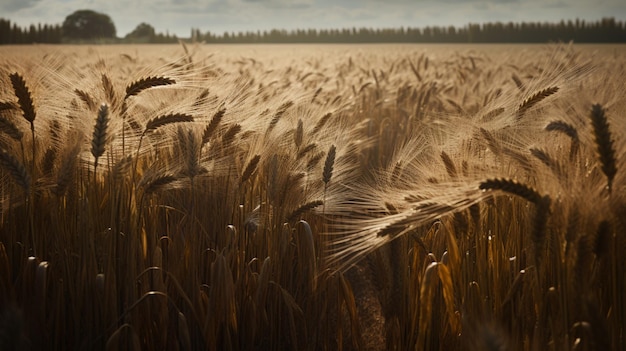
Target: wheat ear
604 143
98 141
512 187
140 85
535 99
16 169
212 126
570 131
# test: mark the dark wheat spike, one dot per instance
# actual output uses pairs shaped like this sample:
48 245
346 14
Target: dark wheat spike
140 85
98 142
9 128
302 209
24 97
512 187
250 168
535 99
563 127
212 126
163 120
604 144
329 164
16 169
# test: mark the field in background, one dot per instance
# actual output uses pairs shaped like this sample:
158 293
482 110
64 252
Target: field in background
427 197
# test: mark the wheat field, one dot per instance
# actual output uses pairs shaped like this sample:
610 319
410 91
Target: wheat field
313 197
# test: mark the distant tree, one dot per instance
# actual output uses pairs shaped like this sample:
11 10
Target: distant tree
143 30
88 24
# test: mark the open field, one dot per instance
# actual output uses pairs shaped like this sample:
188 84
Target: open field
317 197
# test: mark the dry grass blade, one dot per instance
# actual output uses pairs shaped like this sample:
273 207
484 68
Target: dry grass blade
604 143
492 114
534 100
303 209
17 170
164 120
512 187
329 164
98 141
140 85
250 168
212 126
24 97
9 128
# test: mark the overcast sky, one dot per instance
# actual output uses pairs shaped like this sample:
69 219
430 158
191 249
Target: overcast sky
179 16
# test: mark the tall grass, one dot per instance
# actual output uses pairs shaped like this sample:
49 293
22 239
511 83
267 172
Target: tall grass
401 200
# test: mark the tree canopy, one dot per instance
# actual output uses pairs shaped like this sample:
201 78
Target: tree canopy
88 24
143 30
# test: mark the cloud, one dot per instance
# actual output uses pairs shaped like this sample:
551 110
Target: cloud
10 6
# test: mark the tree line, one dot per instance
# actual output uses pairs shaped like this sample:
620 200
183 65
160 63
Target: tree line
89 26
607 30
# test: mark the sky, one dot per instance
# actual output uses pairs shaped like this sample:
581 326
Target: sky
217 16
